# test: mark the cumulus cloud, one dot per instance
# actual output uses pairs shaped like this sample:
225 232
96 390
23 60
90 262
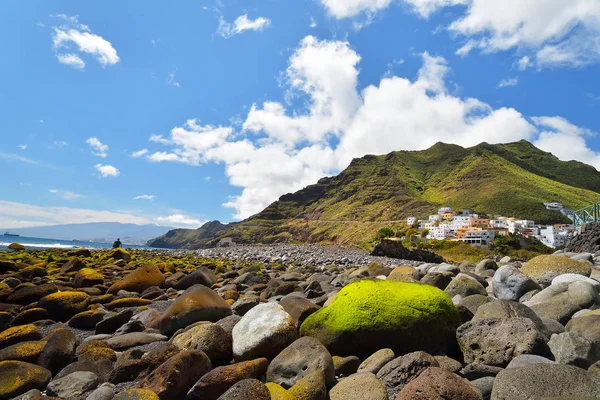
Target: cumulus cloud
145 197
107 170
553 33
180 221
72 37
281 149
242 24
99 148
140 153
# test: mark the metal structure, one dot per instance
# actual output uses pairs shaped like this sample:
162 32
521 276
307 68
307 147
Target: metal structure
587 215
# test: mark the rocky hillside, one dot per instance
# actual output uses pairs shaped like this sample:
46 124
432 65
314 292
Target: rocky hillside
513 179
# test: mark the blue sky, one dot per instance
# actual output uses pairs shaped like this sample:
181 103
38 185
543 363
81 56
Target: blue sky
185 112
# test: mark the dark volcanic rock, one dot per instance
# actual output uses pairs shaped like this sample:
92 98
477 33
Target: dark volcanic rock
395 249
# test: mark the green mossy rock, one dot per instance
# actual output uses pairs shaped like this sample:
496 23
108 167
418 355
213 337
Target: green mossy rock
17 377
61 306
369 315
118 254
139 280
16 247
544 268
87 277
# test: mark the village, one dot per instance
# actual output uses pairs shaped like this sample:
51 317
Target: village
472 228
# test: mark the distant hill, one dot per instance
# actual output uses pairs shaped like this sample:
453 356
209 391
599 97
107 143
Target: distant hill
512 179
105 232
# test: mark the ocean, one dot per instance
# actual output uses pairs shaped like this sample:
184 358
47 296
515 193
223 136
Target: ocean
39 243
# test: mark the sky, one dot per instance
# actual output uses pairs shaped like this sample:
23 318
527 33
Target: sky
178 113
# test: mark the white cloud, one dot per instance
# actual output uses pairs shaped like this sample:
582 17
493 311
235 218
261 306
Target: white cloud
180 220
101 150
552 33
140 153
313 22
242 24
172 81
524 63
281 150
18 215
72 36
510 81
16 157
145 197
60 143
72 60
66 194
107 170
22 146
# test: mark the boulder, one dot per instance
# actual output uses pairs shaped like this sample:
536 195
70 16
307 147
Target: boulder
544 268
136 394
209 338
363 386
404 273
23 351
486 265
540 381
74 264
201 276
18 377
59 350
574 349
173 378
29 294
298 307
135 364
128 340
118 254
345 366
369 315
395 249
376 361
264 331
509 283
464 285
251 389
496 341
561 301
73 385
399 372
310 387
87 277
299 359
61 306
219 380
139 280
437 383
197 303
18 334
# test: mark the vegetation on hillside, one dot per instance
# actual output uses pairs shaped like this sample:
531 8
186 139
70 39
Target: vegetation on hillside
377 192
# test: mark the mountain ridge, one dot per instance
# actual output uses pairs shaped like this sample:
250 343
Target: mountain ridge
512 179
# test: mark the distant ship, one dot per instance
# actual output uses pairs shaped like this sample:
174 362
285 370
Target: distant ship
11 234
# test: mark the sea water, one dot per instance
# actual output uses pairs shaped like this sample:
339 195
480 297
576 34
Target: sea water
39 243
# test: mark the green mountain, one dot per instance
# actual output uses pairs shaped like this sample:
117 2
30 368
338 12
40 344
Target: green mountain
512 179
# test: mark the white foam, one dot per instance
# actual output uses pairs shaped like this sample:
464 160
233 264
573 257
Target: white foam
42 245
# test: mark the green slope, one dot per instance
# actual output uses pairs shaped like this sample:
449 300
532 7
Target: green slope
513 179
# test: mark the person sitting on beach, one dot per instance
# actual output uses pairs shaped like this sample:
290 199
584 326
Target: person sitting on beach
117 244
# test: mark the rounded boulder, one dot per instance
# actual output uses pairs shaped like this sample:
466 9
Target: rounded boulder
139 280
264 331
543 269
369 315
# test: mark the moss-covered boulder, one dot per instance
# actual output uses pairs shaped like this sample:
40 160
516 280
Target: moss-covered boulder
118 254
136 394
16 247
17 377
139 280
61 306
87 277
74 264
369 315
127 302
18 334
544 268
24 351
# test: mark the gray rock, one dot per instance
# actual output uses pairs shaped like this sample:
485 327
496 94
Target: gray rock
485 386
106 391
376 361
472 303
363 386
561 301
541 381
464 285
528 359
207 337
306 355
128 340
496 341
399 372
73 385
485 265
572 348
509 283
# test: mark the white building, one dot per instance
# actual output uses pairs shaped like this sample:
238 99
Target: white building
554 206
410 221
498 223
522 225
552 236
435 218
440 233
478 237
445 210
